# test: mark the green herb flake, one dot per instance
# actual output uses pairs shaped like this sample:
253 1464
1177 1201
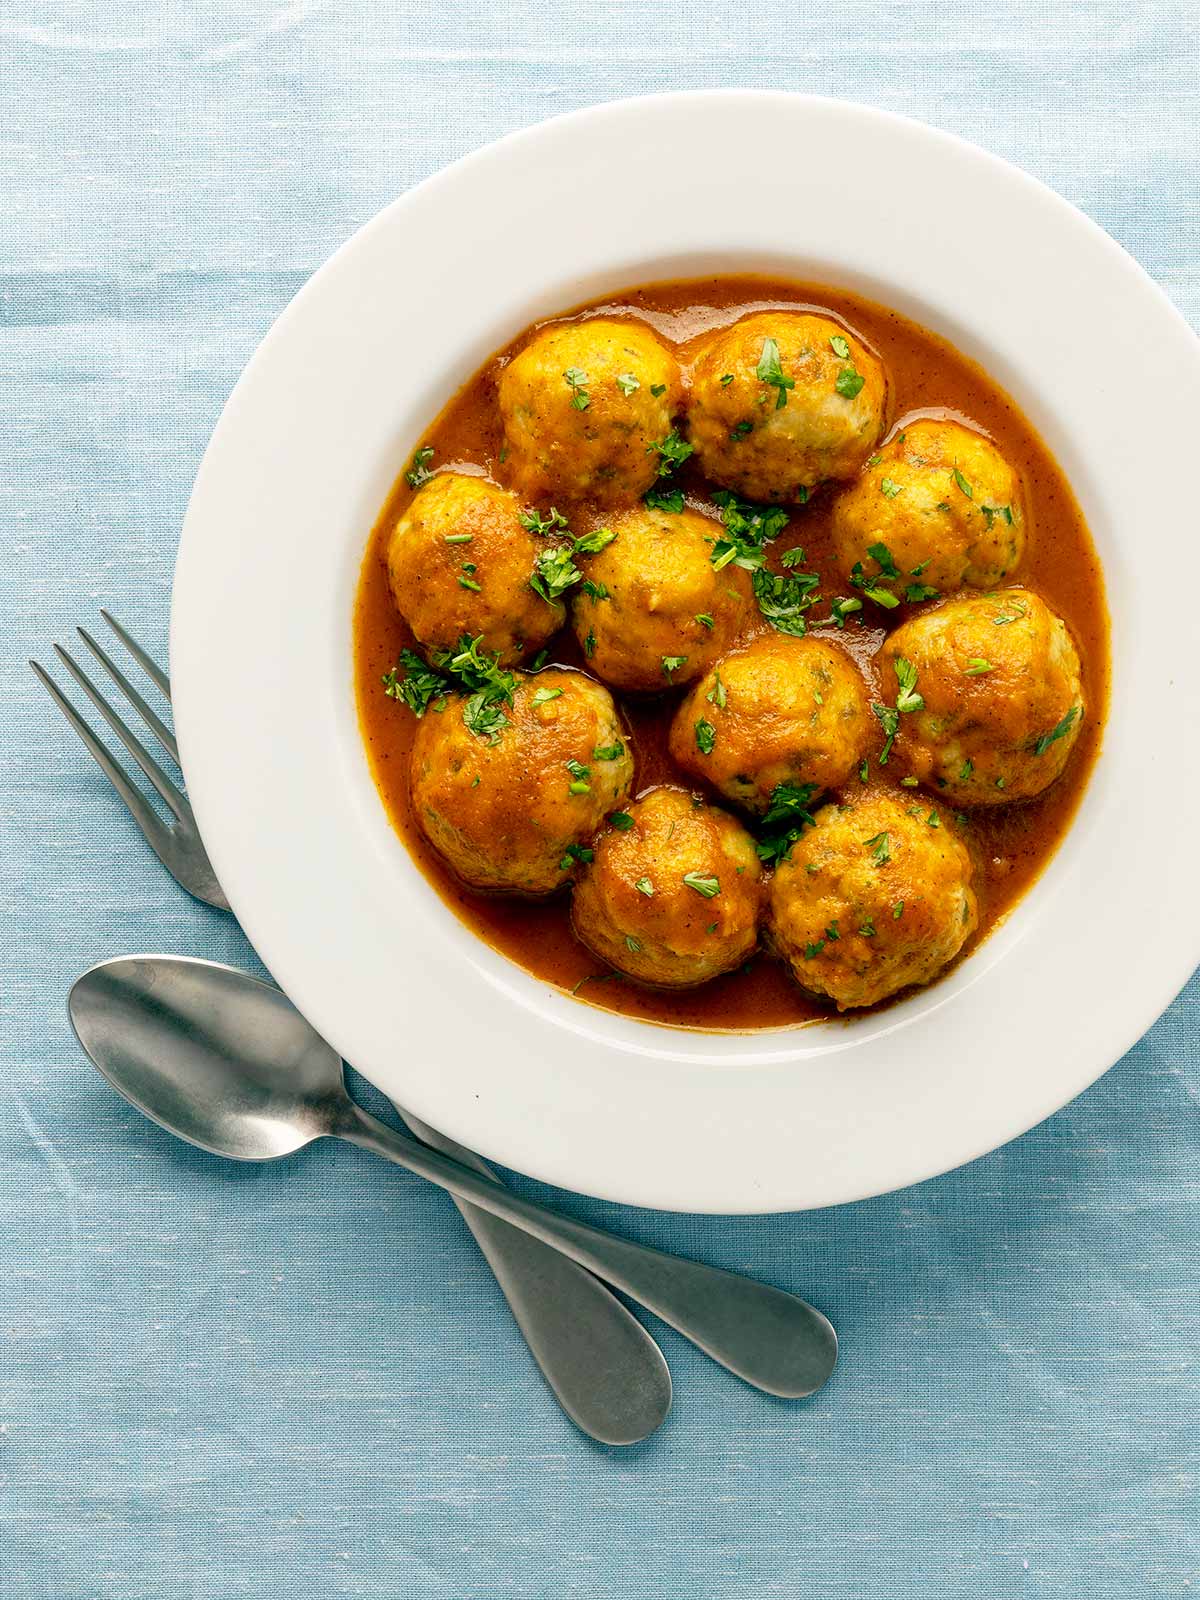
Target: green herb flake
864 770
576 853
672 664
420 685
889 489
908 783
889 718
812 951
592 543
553 522
840 346
1060 732
848 382
897 910
976 667
770 371
627 383
703 884
633 945
457 538
741 429
706 621
418 471
785 820
915 592
867 929
541 696
783 599
609 752
621 821
554 572
963 485
659 499
880 847
831 933
716 695
575 379
672 451
644 886
706 737
907 698
657 389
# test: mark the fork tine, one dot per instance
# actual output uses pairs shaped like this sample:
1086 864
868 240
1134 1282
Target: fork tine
152 720
147 663
128 738
140 809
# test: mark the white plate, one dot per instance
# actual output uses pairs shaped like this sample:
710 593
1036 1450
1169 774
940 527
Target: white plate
327 412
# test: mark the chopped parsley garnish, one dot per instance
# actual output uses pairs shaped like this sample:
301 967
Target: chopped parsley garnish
812 951
897 910
672 664
890 719
591 544
632 945
589 644
575 380
627 383
840 609
992 512
644 886
880 847
540 696
870 586
848 381
725 379
908 783
741 429
539 661
963 484
484 718
840 346
703 884
907 698
783 599
554 572
716 695
419 688
457 538
889 489
1019 610
933 820
793 557
965 771
867 929
609 752
770 371
920 591
747 529
1060 732
706 737
785 820
831 933
621 821
553 522
594 591
864 770
576 852
976 667
672 451
580 775
705 620
659 499
658 388
418 471
488 685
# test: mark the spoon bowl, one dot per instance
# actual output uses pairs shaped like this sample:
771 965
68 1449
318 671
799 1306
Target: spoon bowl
232 1067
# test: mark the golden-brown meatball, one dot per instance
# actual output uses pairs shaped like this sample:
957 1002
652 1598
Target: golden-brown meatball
935 509
582 406
783 710
873 897
459 562
782 401
1001 699
654 611
673 895
510 803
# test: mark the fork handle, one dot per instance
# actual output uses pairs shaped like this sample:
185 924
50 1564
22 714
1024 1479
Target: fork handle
604 1369
773 1340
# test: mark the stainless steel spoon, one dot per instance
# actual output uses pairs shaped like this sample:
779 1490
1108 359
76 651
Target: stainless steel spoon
226 1062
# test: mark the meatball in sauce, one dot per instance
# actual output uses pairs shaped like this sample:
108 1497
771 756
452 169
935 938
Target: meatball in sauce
745 550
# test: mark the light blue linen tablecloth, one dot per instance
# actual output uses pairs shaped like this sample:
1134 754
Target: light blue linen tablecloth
219 1382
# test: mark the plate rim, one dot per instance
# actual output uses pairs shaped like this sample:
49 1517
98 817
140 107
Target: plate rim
195 716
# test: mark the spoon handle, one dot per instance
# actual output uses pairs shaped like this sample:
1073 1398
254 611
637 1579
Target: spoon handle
769 1338
604 1369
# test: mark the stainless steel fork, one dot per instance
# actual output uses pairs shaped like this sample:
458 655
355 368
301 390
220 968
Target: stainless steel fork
606 1371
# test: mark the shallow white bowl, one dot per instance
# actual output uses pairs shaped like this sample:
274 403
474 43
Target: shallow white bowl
327 412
